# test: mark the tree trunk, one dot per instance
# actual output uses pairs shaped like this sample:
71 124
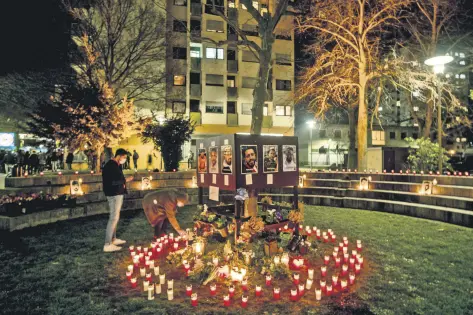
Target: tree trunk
429 113
98 152
362 129
352 138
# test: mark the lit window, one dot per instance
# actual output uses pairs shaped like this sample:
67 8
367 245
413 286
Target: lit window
214 53
265 110
246 108
214 107
398 103
457 76
179 107
462 76
255 5
462 62
179 80
462 55
195 52
456 54
283 85
380 109
283 110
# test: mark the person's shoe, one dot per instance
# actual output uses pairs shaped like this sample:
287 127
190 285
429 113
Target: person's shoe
118 241
108 248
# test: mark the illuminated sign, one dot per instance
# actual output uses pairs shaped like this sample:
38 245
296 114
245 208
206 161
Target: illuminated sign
7 139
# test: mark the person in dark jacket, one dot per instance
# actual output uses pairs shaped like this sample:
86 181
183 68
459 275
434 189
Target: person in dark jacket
69 160
114 187
135 160
160 208
33 162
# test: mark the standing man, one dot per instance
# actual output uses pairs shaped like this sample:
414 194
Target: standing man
160 208
135 160
114 187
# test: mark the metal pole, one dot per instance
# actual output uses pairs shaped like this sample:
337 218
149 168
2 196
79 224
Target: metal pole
439 125
310 149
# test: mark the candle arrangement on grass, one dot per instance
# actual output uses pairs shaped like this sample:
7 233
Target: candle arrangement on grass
181 268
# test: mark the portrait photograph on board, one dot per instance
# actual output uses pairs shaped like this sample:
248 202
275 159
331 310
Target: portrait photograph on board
249 159
270 159
213 160
289 158
227 157
202 161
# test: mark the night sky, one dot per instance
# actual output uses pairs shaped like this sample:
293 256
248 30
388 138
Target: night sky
35 35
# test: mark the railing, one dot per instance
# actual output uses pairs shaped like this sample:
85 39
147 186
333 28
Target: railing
196 90
232 92
232 120
232 65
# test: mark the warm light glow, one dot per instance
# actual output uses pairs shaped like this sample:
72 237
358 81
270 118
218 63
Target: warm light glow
311 124
438 60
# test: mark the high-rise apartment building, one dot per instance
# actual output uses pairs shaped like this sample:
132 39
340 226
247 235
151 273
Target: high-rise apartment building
213 83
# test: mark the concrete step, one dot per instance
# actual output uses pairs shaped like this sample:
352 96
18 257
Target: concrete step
444 214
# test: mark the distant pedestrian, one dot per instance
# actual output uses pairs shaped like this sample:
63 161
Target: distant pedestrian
9 161
150 161
60 159
114 187
33 162
128 164
190 159
69 160
54 161
135 160
42 162
26 161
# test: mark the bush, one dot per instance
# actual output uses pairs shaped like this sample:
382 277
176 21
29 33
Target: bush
424 155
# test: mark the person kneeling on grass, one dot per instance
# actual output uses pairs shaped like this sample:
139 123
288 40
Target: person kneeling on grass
160 208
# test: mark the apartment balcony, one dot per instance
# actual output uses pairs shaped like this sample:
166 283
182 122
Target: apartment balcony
232 120
196 9
267 121
195 90
232 92
209 7
196 117
232 66
196 64
233 14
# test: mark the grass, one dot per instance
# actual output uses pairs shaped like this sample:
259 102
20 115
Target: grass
415 267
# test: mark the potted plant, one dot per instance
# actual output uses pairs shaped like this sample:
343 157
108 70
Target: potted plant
271 244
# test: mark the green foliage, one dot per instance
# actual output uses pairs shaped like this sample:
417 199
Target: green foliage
424 155
168 137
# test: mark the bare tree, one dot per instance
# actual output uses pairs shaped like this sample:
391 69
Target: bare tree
356 29
129 39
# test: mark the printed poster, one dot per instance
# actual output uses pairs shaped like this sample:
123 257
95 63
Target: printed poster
289 158
249 159
213 160
227 159
270 159
202 161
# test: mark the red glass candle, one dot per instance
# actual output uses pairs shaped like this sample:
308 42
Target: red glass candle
344 270
226 300
343 285
296 277
340 246
131 249
337 262
357 268
323 271
189 289
334 238
276 293
194 300
326 259
258 290
323 285
133 282
352 263
244 284
359 247
334 281
325 238
268 280
300 290
244 301
148 277
294 295
329 289
129 274
346 257
351 279
213 289
231 290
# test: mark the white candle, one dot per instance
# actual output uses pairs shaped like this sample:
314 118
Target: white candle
170 294
277 260
311 274
156 271
171 284
151 293
318 294
285 259
130 268
151 264
142 272
145 285
215 261
157 288
308 284
162 278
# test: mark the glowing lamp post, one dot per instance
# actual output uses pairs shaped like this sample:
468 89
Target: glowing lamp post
438 63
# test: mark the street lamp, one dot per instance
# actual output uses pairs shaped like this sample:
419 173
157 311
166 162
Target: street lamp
311 124
438 63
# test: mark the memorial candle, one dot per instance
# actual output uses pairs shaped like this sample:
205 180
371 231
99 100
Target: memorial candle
345 250
162 278
308 284
323 271
215 261
133 282
276 293
156 271
231 290
148 277
258 290
176 246
354 253
345 258
359 247
296 277
213 289
130 268
293 295
277 260
335 281
145 250
129 274
360 261
151 264
244 284
143 272
157 288
131 248
325 238
335 255
343 284
170 294
268 280
194 301
351 278
244 300
326 259
226 300
318 294
301 289
285 259
323 285
344 270
138 249
188 289
151 293
334 238
145 285
310 273
329 290
171 284
357 268
340 245
352 263
337 262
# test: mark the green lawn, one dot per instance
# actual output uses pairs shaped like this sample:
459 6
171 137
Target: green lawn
414 267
